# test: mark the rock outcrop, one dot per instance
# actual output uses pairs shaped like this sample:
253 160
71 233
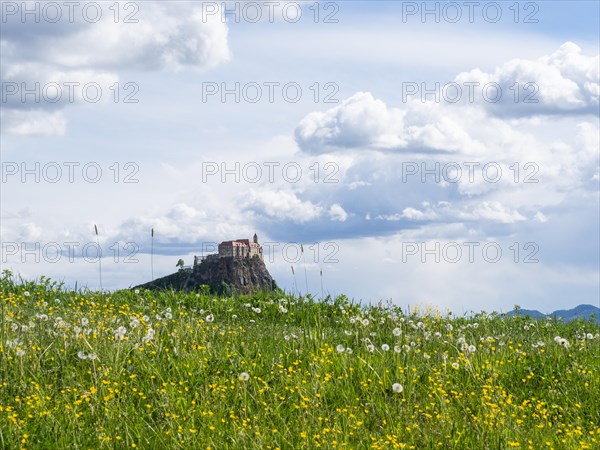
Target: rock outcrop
223 276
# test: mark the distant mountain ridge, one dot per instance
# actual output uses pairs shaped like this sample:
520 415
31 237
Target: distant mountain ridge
579 312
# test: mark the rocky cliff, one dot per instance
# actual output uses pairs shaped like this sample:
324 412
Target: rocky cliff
221 275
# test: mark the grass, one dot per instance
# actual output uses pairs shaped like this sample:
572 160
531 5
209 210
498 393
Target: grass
83 370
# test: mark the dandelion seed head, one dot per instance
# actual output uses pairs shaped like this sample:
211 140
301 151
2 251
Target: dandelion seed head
397 388
244 376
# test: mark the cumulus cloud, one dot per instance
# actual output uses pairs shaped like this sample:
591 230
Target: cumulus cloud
337 213
442 211
564 82
148 36
282 205
363 121
151 36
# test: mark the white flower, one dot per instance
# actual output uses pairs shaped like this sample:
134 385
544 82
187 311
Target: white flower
563 342
340 348
426 356
385 347
471 348
449 327
589 336
82 355
365 322
57 301
210 318
137 291
92 356
349 350
371 348
120 333
455 365
20 352
397 388
397 348
26 294
420 325
168 316
397 331
256 310
134 322
244 376
283 309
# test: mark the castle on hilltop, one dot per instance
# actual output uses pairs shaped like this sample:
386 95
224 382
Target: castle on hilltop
239 248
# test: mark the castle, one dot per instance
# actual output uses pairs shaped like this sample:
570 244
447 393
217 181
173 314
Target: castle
239 248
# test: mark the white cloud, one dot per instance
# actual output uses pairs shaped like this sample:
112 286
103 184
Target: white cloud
165 37
337 213
567 81
495 211
564 81
363 121
33 123
282 205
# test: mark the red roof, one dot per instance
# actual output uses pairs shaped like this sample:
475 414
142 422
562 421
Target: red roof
245 242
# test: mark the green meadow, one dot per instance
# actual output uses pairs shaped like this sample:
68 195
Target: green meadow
150 370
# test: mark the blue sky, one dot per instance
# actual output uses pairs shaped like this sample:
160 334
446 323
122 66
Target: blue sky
382 230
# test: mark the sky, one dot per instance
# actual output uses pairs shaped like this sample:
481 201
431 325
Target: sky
431 154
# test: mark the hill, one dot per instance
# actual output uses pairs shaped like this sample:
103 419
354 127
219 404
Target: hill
579 312
223 276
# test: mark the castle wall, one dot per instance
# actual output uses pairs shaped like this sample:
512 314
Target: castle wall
241 248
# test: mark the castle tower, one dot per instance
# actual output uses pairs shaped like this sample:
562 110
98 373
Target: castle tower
255 239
